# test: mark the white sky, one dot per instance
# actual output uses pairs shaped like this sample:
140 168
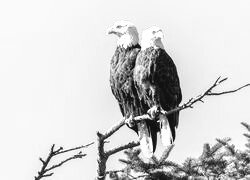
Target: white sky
54 76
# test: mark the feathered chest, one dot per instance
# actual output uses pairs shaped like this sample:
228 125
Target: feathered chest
155 68
122 67
146 60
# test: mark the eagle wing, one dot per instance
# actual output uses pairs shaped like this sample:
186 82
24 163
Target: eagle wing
157 83
122 83
165 78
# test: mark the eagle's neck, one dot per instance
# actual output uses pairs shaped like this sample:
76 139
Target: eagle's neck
128 40
156 44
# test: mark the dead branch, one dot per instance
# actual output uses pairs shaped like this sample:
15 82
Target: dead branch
188 104
199 98
103 156
76 148
113 129
192 101
122 147
46 171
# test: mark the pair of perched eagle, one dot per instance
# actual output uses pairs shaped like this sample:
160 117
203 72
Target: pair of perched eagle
144 79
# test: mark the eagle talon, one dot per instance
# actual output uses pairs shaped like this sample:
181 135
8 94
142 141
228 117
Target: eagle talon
130 121
154 112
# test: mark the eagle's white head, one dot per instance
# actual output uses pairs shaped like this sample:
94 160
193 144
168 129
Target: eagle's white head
126 32
152 37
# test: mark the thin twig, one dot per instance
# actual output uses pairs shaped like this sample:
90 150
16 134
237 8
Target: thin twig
200 97
80 155
227 92
76 148
46 171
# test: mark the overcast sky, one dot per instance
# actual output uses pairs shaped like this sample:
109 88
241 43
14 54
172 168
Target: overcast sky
54 76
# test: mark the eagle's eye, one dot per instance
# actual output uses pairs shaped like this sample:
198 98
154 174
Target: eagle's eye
153 32
119 26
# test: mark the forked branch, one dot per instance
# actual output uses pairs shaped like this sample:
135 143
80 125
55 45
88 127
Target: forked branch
208 92
103 156
188 104
47 171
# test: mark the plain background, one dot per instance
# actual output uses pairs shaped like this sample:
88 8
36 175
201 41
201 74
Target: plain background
54 76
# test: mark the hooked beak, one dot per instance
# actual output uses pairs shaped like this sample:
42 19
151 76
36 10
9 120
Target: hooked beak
111 30
159 34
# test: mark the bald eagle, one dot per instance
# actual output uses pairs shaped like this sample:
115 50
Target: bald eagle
157 82
123 87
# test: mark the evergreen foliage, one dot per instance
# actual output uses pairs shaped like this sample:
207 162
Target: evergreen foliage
221 161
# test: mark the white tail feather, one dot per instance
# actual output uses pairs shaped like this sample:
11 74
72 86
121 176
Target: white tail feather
166 134
146 143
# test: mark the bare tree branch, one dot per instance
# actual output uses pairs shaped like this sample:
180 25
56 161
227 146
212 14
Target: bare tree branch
122 147
200 97
79 155
113 129
227 92
76 148
192 101
45 170
188 104
103 156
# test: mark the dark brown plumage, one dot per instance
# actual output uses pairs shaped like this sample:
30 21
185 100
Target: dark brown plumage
123 88
121 80
157 82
